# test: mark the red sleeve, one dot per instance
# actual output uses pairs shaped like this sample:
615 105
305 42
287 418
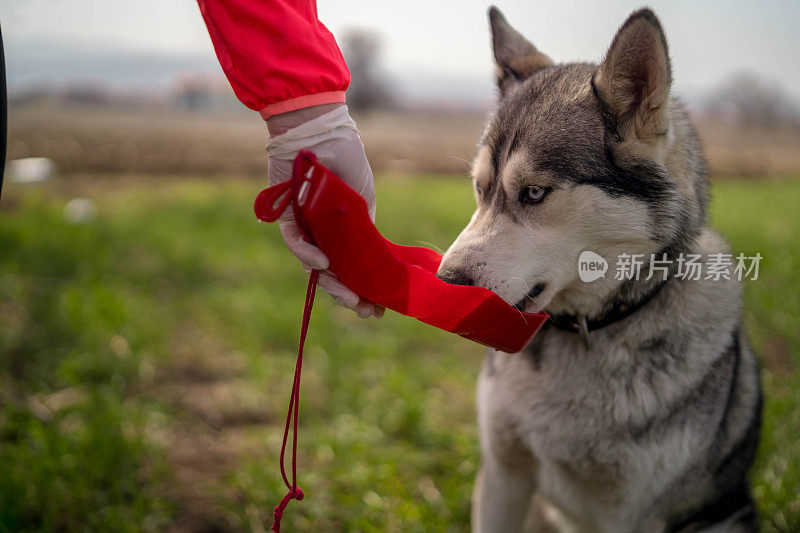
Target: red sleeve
277 56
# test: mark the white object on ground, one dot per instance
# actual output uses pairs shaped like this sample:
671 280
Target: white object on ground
30 170
80 211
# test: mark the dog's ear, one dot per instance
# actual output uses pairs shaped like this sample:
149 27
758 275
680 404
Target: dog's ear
634 79
515 56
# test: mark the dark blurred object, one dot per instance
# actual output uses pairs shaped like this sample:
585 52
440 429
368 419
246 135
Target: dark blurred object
752 101
3 112
368 87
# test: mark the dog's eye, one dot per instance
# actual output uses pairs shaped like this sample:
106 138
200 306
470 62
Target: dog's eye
478 189
533 194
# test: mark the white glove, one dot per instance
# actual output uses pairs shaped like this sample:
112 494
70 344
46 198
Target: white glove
330 133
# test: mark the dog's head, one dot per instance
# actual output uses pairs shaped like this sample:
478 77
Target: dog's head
578 157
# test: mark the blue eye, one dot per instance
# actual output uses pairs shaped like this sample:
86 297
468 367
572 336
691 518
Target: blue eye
533 194
478 189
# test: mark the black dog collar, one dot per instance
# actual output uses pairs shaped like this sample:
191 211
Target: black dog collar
582 325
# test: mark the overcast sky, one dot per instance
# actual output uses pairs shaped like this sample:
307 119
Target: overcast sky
423 39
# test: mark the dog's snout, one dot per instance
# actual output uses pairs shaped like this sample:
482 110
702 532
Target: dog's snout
456 276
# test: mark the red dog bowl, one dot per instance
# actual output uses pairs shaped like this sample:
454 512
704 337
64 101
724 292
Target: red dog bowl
401 278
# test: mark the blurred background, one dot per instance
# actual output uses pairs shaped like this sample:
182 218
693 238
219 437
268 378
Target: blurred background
148 325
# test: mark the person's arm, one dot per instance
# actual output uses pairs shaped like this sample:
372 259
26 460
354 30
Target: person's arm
284 63
277 56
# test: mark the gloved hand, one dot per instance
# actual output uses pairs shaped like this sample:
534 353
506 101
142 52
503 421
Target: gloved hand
329 132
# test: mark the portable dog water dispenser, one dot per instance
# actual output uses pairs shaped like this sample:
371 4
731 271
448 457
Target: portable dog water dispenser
335 218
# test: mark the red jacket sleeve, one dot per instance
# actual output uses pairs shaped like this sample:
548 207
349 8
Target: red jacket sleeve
277 56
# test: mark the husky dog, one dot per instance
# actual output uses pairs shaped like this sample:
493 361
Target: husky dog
637 407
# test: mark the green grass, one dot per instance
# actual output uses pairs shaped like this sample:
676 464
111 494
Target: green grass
169 324
763 216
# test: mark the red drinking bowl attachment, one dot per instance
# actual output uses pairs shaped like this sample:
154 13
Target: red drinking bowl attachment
402 278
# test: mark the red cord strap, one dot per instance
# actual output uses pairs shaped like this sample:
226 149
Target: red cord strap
295 492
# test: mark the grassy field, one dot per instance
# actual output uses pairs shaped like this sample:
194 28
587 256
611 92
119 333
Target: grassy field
146 358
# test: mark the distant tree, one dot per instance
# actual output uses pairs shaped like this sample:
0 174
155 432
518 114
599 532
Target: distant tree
368 86
752 101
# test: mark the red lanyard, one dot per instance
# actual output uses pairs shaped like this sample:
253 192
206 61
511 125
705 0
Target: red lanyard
295 492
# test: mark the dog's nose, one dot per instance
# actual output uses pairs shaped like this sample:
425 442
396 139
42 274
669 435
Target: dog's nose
456 276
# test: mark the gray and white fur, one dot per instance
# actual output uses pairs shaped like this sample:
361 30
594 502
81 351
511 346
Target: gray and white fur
651 423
